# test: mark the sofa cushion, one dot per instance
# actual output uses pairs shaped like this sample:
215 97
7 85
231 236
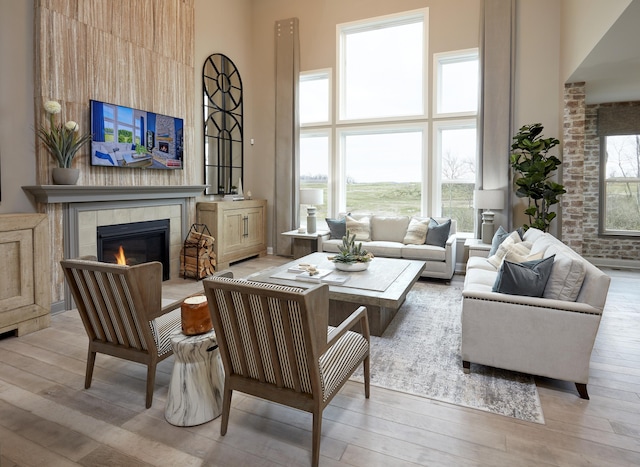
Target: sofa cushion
385 249
423 252
567 275
389 229
516 257
478 262
337 227
332 245
527 279
360 227
438 234
416 232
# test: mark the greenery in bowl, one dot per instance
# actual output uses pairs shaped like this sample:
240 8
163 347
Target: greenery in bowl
351 252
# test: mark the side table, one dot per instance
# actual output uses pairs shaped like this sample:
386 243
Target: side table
476 247
197 380
304 243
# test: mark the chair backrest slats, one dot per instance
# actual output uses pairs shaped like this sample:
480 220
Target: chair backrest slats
107 305
266 333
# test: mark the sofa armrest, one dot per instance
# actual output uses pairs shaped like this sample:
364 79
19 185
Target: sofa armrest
322 238
450 254
561 305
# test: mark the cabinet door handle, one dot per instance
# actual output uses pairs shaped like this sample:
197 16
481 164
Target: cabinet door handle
246 226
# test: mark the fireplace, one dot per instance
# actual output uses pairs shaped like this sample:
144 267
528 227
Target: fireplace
141 242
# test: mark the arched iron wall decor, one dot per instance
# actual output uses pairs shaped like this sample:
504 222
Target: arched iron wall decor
223 125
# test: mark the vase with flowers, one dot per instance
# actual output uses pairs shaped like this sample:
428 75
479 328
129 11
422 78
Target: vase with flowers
351 256
63 142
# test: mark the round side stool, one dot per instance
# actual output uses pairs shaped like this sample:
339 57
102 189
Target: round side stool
197 380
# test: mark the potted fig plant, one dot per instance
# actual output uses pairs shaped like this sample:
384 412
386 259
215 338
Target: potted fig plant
63 142
533 168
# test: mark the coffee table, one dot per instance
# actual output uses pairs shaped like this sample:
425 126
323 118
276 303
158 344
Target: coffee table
382 288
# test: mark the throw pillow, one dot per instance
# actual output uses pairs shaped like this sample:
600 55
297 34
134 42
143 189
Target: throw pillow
416 232
359 227
527 279
437 234
567 276
513 238
515 257
498 238
337 227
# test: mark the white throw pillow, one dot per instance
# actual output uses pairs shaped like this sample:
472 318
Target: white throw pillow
516 257
566 277
496 259
359 227
416 232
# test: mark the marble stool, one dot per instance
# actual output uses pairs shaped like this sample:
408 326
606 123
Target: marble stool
197 380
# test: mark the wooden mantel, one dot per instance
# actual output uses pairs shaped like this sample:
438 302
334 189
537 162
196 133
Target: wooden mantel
48 194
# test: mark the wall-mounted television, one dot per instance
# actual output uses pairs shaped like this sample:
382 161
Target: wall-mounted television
129 138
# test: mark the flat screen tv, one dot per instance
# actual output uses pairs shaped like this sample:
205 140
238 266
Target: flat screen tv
129 138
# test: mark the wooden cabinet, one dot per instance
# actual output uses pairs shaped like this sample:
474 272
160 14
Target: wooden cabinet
25 281
239 228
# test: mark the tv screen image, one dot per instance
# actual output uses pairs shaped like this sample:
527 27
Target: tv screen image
126 137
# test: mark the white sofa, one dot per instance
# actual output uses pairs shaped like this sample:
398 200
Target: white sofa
550 336
386 239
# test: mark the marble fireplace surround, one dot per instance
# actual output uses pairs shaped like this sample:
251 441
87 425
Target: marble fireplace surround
84 208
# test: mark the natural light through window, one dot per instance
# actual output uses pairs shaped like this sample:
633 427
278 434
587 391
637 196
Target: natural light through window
314 97
382 68
314 166
622 184
456 82
383 171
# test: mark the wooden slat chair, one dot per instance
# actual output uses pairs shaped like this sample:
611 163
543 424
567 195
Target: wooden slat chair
122 311
276 344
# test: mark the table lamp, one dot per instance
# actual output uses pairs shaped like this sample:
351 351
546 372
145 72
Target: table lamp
488 200
311 197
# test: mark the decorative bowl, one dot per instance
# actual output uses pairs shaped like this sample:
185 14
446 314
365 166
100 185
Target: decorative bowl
351 266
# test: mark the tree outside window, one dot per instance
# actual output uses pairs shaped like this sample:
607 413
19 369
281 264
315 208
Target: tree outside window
622 184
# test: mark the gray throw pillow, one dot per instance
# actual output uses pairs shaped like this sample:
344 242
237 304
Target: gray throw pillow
498 238
438 234
337 227
527 279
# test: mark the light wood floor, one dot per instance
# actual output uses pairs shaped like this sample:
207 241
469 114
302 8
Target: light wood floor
47 418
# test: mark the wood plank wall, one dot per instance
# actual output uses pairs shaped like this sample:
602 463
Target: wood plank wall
136 53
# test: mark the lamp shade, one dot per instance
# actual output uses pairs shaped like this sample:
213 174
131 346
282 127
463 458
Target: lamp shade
488 199
311 196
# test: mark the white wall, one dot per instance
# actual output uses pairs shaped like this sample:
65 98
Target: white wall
583 24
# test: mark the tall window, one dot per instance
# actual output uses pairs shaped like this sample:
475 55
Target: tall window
381 67
314 167
382 170
375 150
622 184
455 148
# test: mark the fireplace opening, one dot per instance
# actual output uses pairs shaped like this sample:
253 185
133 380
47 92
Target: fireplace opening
141 242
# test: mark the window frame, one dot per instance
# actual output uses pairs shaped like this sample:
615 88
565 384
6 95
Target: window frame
441 58
318 74
602 195
342 29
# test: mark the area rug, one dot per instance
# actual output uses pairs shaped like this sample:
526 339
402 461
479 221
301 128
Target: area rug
419 353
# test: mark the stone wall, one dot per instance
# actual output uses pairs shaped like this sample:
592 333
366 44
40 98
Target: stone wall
581 177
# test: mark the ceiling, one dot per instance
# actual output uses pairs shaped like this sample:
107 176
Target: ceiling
611 71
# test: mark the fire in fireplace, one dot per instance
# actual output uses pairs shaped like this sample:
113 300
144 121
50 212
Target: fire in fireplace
135 243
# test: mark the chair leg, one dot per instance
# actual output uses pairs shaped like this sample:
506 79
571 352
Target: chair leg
226 408
367 376
582 390
466 366
91 360
151 381
316 434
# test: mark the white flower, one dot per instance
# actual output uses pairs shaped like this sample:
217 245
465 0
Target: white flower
52 107
71 126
